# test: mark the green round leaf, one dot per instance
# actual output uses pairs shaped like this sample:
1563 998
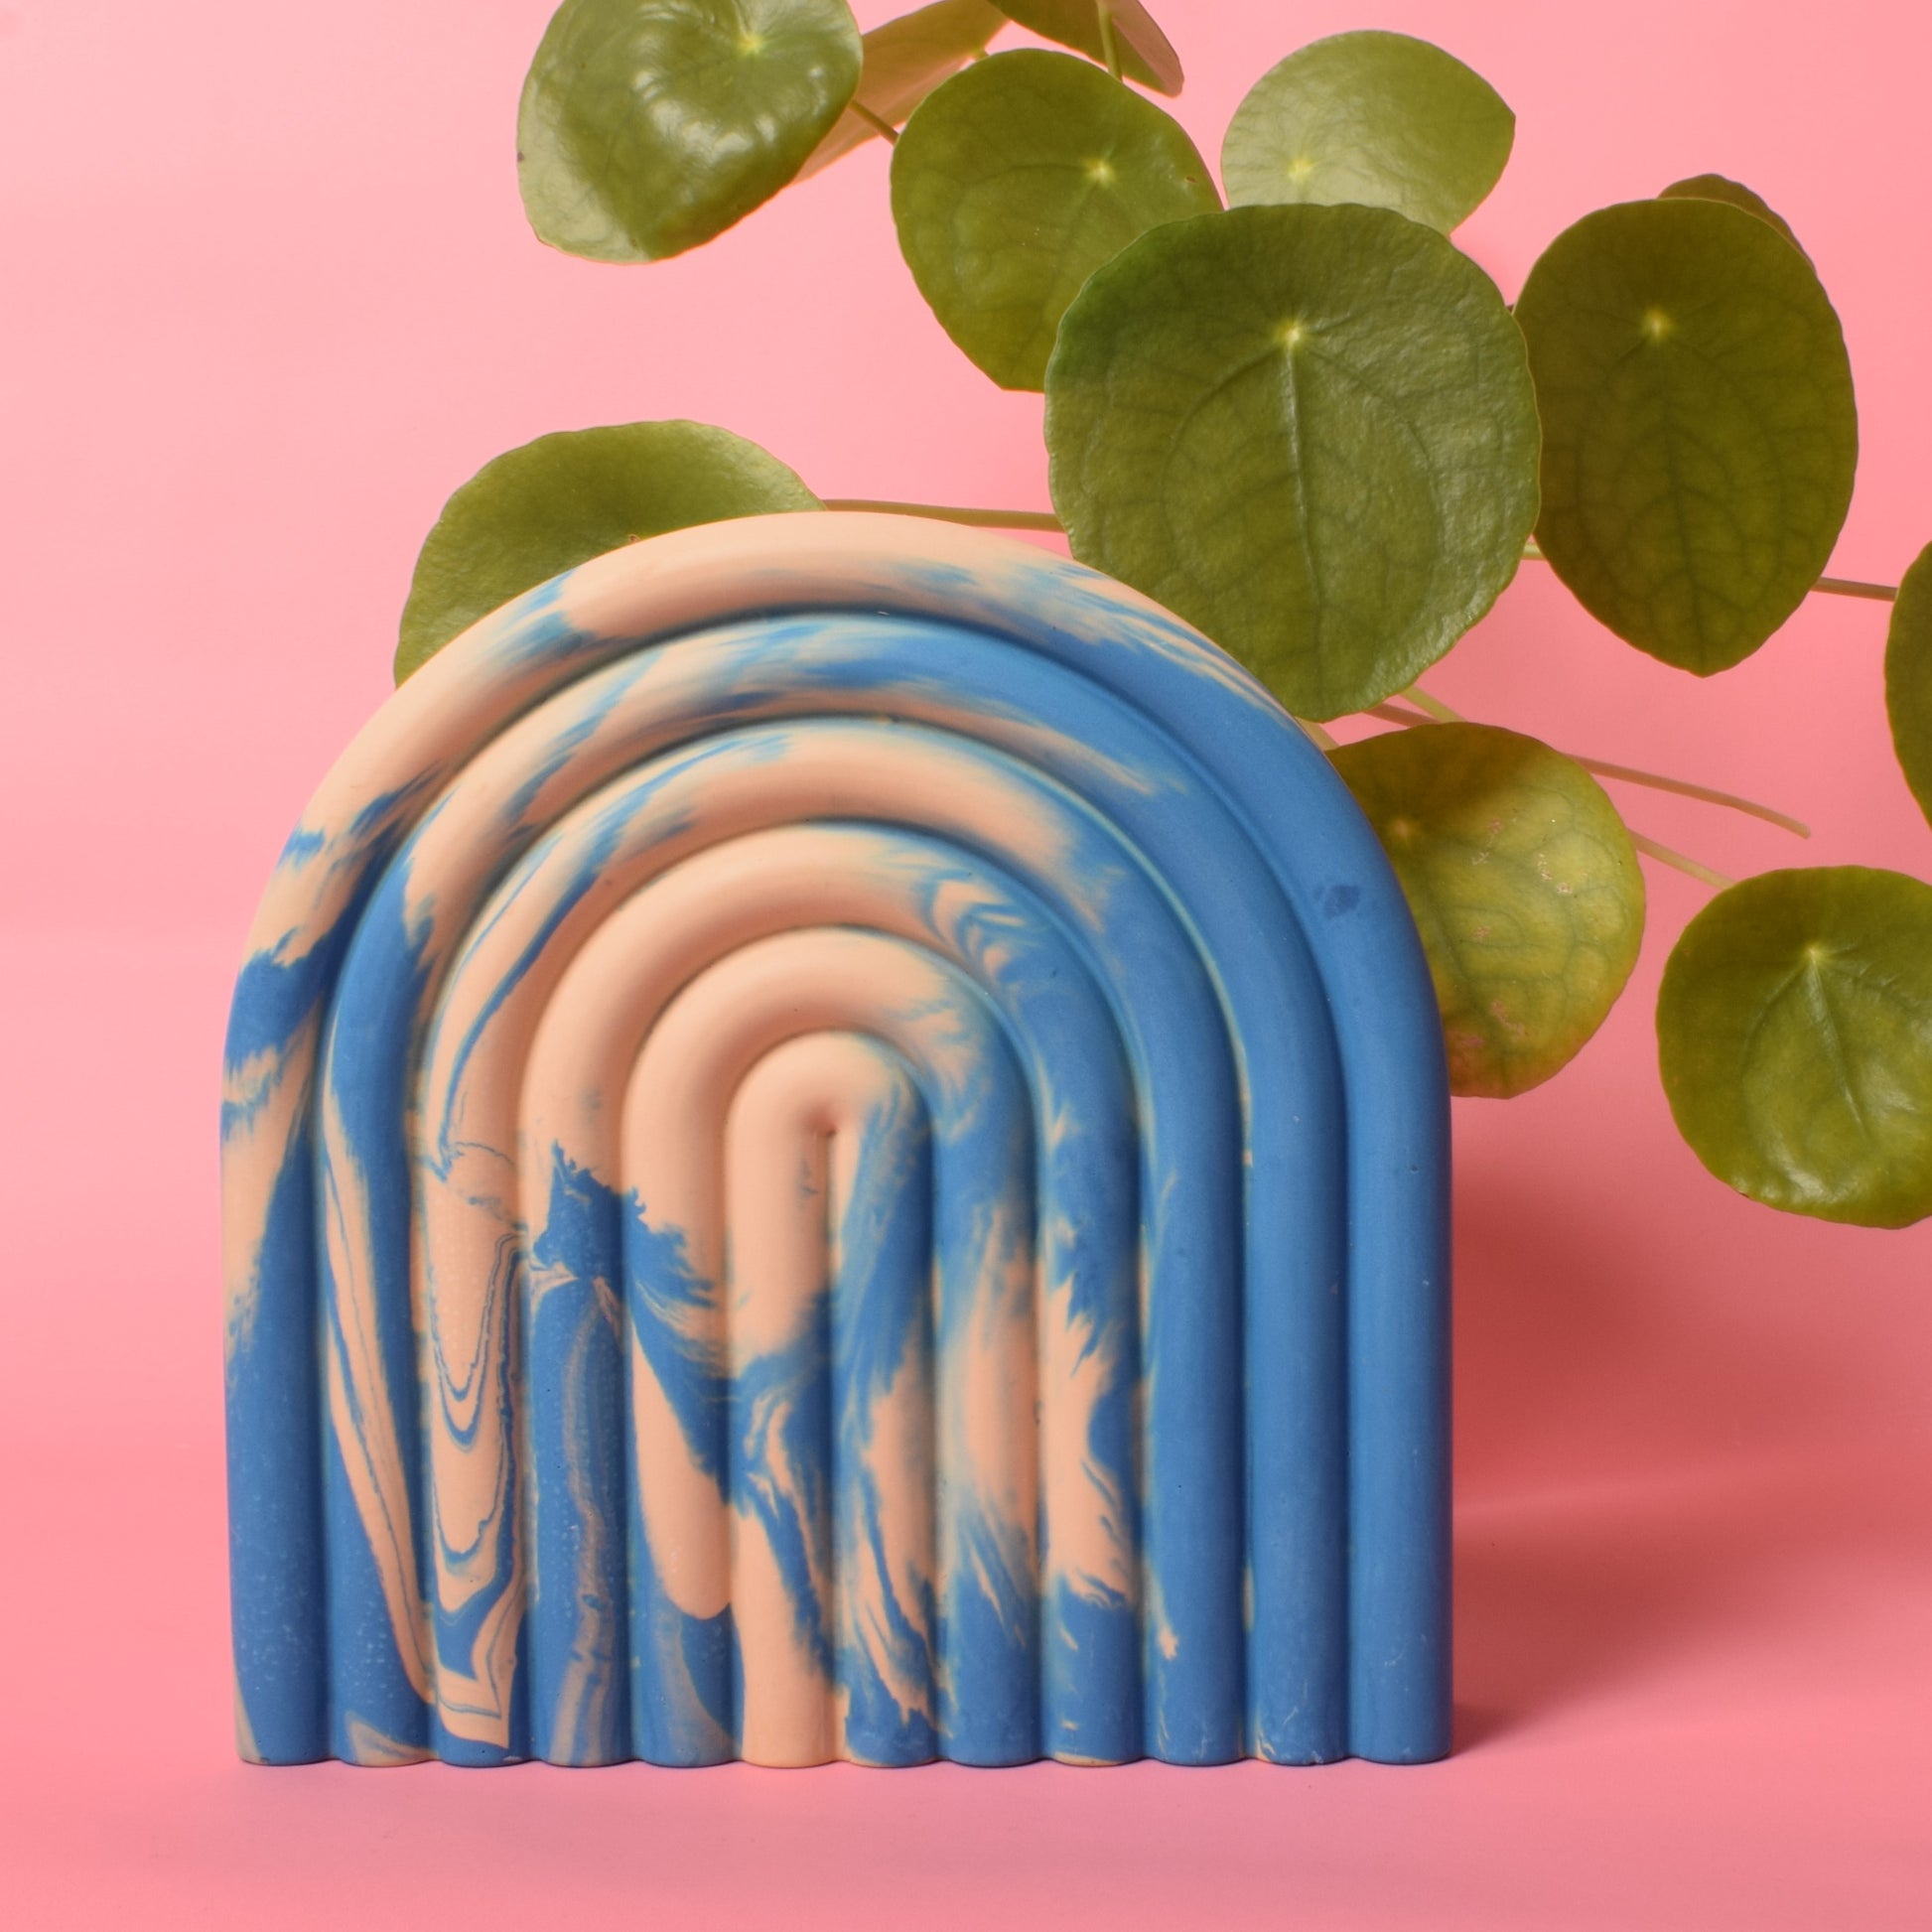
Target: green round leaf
1371 117
1794 1030
904 60
1524 886
1310 431
1014 182
554 503
1721 187
1908 678
1699 430
1145 53
649 126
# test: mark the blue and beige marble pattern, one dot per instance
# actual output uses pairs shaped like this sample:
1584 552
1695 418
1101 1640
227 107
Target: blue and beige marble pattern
835 1146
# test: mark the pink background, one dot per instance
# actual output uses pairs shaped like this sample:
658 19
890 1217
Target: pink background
271 297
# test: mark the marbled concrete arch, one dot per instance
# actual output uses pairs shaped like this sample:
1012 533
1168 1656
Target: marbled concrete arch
1293 1588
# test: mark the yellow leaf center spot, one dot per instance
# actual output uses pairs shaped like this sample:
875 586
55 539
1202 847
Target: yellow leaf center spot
1292 334
1656 325
1301 168
751 42
1101 172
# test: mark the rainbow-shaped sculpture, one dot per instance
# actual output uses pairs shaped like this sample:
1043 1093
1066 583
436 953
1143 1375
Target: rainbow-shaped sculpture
835 1146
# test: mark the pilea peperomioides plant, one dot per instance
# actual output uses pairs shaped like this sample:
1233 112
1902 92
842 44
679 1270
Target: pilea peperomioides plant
1310 425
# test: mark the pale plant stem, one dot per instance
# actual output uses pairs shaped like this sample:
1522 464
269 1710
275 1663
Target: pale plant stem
1852 587
1435 708
1630 773
878 123
1321 737
1109 41
1684 788
1697 869
1831 586
987 519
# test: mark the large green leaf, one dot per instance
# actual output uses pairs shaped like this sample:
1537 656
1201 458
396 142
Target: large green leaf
1145 53
1015 181
1307 429
1699 430
1795 1036
548 505
906 59
649 126
1524 886
1721 187
1372 117
1908 678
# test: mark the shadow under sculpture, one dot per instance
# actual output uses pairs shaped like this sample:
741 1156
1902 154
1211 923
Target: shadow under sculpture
835 1145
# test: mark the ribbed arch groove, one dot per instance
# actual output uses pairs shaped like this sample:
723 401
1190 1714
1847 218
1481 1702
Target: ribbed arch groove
862 1126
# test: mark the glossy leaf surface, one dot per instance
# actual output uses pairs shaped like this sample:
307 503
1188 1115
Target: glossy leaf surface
1310 431
1373 117
551 504
1524 886
1908 678
1698 429
1795 1035
1020 178
650 126
1146 54
904 59
1721 187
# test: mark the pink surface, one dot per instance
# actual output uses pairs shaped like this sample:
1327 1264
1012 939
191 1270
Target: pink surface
272 298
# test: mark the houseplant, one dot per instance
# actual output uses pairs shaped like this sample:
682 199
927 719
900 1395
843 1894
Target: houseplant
1310 426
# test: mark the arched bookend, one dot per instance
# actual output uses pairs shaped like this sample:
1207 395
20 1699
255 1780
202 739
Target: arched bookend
835 1146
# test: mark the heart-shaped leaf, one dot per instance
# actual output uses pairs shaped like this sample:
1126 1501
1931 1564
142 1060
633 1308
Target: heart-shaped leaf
904 60
1908 678
1145 53
1373 117
1524 886
1794 1029
1014 182
1307 429
549 506
1698 429
1721 187
649 126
